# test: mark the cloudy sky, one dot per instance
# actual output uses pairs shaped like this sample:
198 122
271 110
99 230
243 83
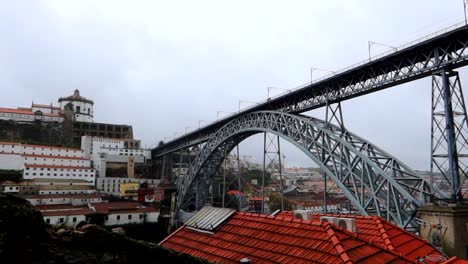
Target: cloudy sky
161 66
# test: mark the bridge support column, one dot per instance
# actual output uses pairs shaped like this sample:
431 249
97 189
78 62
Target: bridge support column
271 153
449 135
163 167
333 114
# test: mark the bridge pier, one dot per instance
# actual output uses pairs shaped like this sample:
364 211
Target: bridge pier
271 153
449 136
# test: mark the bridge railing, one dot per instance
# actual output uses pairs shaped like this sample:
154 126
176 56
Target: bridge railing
378 56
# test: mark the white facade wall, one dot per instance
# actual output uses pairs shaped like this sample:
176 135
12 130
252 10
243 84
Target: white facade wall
11 161
85 113
131 218
38 161
13 148
45 109
112 185
110 220
10 188
57 161
122 159
33 172
68 220
21 117
64 191
52 151
63 200
102 150
68 182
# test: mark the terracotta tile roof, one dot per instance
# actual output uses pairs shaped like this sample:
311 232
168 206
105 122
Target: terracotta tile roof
52 157
9 143
75 97
235 192
24 111
455 260
385 234
8 153
122 207
83 211
46 207
269 239
44 106
57 167
58 196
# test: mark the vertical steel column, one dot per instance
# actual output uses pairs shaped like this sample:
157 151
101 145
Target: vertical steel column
451 141
271 151
280 173
180 163
449 135
325 192
334 114
163 167
238 170
263 174
223 193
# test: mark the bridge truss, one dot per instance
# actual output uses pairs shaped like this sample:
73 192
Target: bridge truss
370 178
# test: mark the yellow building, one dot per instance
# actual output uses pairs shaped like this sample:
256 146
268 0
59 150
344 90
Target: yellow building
129 189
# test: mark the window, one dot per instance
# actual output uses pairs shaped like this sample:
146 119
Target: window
74 219
60 220
141 216
118 217
129 216
47 220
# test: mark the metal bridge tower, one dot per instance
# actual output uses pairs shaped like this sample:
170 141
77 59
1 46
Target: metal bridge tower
449 134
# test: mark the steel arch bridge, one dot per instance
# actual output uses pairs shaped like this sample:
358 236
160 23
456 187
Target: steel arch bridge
372 180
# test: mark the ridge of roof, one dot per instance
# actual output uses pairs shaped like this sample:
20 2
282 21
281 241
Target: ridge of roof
336 243
386 238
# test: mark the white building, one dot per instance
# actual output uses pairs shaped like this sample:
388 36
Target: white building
29 115
64 199
81 107
57 210
112 185
110 150
46 162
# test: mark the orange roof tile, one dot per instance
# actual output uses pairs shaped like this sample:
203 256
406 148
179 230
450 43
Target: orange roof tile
67 212
385 234
9 143
267 239
57 196
122 207
24 111
45 106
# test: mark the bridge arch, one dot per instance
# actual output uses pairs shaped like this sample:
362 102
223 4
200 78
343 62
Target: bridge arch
372 180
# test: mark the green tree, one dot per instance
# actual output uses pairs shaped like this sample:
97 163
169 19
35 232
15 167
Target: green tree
275 202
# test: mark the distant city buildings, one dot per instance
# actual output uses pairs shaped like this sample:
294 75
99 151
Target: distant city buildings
46 162
67 123
114 153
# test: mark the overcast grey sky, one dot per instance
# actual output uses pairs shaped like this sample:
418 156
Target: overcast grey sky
161 66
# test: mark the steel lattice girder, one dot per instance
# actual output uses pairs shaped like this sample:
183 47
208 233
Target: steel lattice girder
420 60
447 100
371 179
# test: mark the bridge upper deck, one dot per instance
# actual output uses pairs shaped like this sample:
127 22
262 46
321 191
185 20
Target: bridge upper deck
445 49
